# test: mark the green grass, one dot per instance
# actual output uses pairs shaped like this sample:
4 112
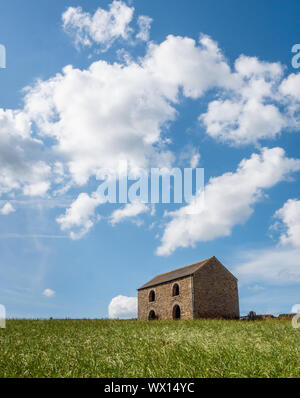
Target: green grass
105 348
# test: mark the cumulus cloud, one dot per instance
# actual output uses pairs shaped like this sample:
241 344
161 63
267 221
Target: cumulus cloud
252 66
49 293
7 209
124 121
123 307
20 153
289 223
252 109
96 118
123 109
291 86
179 62
243 188
103 27
273 266
255 103
242 122
80 215
130 210
132 104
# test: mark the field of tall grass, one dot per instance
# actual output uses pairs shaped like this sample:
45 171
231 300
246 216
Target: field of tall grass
107 348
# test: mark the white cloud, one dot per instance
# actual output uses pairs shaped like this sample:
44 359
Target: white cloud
295 309
49 293
291 86
144 24
250 110
274 266
242 122
123 307
7 209
179 62
80 215
252 66
123 109
246 115
104 27
20 153
37 189
132 105
252 94
130 210
229 200
289 222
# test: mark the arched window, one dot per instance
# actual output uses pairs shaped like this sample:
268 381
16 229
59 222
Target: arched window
151 315
176 289
176 312
152 295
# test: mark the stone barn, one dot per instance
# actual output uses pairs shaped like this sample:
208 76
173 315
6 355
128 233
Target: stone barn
202 290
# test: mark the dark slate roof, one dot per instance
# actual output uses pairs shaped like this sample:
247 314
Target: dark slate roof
176 274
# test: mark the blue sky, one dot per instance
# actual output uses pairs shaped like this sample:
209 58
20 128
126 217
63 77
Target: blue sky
208 80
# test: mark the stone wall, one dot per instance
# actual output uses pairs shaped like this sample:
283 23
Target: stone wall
165 301
215 292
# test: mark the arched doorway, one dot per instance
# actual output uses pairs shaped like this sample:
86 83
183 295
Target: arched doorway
176 312
151 315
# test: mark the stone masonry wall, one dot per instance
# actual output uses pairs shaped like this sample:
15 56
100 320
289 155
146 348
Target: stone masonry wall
215 292
165 301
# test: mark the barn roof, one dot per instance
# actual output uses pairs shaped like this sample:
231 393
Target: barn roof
176 274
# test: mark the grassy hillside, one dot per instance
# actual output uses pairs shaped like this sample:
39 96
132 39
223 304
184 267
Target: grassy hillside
105 348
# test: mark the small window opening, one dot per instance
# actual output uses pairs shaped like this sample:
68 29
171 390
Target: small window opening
176 289
152 296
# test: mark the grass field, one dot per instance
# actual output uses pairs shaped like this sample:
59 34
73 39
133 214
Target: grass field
106 348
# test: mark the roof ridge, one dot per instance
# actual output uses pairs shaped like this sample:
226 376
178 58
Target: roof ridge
176 273
186 266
